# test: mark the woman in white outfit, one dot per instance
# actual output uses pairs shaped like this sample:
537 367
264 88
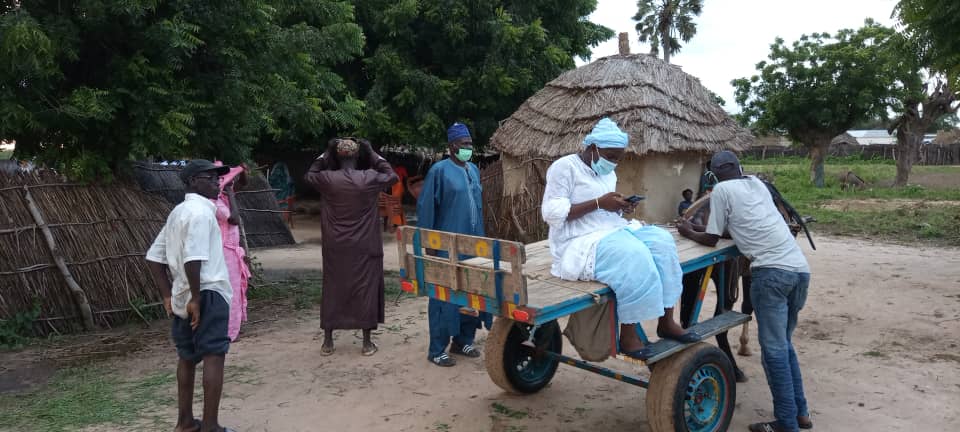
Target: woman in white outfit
590 239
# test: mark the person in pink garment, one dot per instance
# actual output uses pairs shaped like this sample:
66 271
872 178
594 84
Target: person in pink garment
228 217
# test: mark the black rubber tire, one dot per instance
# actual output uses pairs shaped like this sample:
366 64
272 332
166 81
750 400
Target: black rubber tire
674 376
512 366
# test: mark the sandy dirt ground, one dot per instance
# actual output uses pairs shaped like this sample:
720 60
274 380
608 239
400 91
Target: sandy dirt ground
878 343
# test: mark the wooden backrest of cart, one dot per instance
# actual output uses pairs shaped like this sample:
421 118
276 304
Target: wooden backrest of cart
511 279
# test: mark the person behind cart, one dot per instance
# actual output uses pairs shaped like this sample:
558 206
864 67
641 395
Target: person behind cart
349 177
451 201
686 203
590 239
742 205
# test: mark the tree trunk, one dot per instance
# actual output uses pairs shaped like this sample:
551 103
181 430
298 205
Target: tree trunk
818 152
910 126
909 139
666 48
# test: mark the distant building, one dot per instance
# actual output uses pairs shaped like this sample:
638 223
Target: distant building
772 141
872 136
948 137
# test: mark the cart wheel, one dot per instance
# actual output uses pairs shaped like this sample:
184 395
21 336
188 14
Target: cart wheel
692 391
514 367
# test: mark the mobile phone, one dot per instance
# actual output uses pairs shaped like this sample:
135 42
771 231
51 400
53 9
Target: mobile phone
633 199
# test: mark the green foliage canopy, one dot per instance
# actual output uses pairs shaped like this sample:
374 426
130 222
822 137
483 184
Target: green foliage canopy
87 84
935 24
429 63
819 87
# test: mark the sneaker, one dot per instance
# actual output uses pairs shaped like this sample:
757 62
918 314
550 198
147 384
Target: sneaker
466 350
766 427
443 360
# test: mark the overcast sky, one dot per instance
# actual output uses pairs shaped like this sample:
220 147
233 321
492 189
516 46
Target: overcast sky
734 35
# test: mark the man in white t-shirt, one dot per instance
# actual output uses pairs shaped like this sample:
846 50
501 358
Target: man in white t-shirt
742 205
189 245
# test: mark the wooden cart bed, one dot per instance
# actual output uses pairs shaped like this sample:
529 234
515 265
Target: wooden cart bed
481 276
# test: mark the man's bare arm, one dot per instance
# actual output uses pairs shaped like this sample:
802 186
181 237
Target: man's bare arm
192 268
686 229
159 272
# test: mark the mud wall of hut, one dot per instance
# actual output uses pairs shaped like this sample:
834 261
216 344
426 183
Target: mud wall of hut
513 190
102 234
661 177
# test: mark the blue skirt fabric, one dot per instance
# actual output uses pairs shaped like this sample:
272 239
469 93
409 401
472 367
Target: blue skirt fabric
642 268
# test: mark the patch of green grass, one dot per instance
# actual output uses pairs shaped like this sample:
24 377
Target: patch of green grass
913 221
80 397
391 287
18 330
304 293
307 292
507 411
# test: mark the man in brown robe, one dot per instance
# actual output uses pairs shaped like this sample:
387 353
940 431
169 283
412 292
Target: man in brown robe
349 177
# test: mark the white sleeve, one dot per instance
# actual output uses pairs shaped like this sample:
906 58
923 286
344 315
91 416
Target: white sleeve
196 244
717 222
556 196
158 250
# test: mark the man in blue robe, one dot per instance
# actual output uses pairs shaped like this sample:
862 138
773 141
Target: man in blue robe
451 201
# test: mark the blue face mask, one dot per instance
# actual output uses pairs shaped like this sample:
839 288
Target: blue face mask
602 166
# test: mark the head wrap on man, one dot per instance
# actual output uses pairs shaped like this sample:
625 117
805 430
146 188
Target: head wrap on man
606 134
347 148
457 131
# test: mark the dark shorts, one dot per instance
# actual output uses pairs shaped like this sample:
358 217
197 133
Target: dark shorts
210 338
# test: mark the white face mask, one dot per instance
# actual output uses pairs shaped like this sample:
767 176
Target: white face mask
602 166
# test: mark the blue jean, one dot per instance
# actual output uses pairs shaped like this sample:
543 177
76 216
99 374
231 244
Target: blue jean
446 323
777 296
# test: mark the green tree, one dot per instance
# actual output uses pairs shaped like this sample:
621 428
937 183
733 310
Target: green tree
934 23
88 84
926 58
429 63
818 88
924 97
664 23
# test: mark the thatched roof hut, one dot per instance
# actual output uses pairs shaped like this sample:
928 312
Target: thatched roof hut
844 139
673 122
68 244
263 225
948 137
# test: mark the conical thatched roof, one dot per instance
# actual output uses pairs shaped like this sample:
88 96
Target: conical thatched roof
662 108
948 137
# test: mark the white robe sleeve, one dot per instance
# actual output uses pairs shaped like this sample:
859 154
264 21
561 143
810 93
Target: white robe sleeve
556 196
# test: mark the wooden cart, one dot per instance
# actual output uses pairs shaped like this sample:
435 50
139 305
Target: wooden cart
691 387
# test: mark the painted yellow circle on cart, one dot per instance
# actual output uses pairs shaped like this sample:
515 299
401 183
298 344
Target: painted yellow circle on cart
481 249
433 240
